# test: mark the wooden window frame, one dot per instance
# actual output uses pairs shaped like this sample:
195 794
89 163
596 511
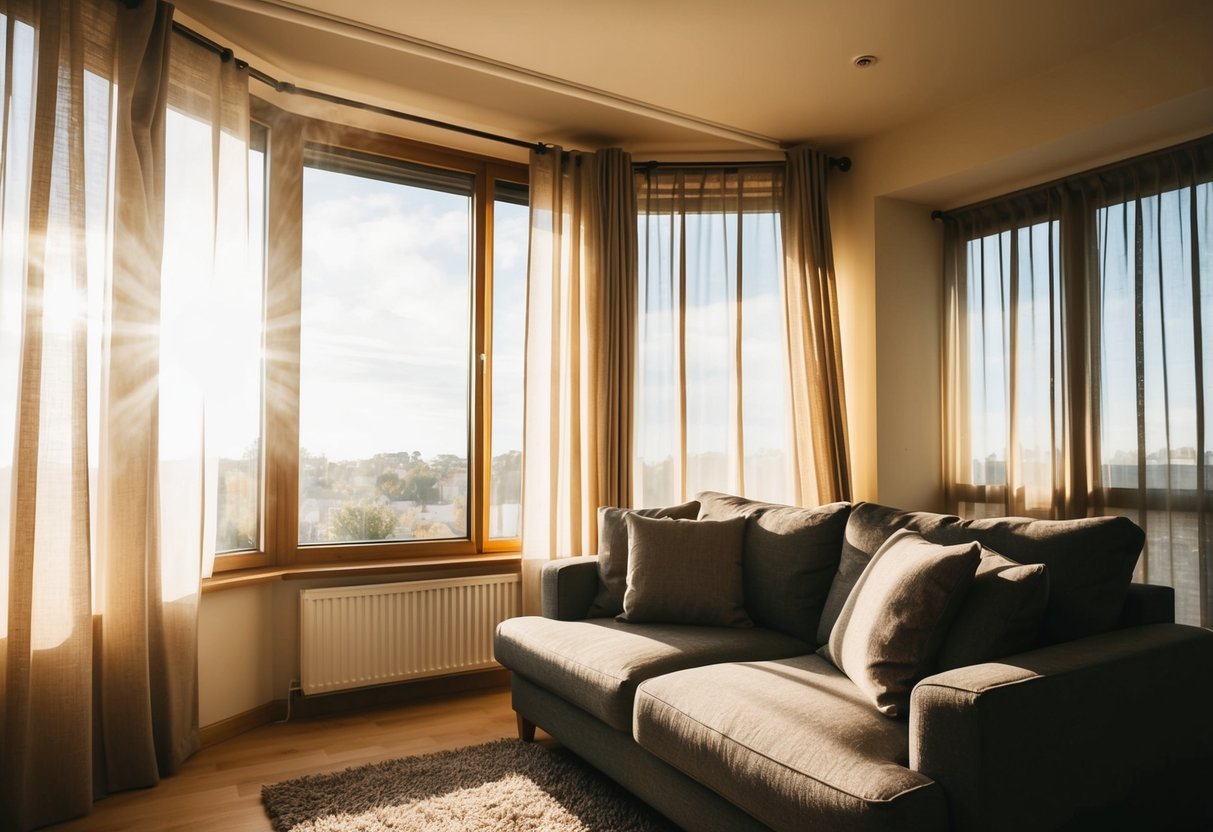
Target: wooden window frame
289 135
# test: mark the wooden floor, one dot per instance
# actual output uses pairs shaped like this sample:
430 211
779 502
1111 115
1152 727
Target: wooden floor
219 788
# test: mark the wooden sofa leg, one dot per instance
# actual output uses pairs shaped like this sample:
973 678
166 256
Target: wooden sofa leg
526 729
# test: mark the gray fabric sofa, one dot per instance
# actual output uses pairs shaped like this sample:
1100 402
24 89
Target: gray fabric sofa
1104 722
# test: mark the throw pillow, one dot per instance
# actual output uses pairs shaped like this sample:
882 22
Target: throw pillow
613 552
685 572
789 557
1001 615
894 622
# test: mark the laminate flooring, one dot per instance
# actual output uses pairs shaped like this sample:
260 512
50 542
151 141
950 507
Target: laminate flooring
219 788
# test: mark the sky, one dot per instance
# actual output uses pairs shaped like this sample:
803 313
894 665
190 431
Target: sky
386 316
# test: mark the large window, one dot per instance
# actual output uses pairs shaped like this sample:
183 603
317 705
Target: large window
384 350
511 219
1078 358
395 285
712 409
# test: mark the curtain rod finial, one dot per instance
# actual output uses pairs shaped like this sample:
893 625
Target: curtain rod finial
843 163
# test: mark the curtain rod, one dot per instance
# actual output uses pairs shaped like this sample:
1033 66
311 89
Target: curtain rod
226 54
843 163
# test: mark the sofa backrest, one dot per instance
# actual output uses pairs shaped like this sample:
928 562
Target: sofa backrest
1090 561
789 558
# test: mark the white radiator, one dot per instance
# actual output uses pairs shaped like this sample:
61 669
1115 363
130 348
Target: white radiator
355 636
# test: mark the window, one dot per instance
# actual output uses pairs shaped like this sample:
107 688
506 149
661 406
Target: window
384 350
395 285
238 503
510 228
1076 349
712 409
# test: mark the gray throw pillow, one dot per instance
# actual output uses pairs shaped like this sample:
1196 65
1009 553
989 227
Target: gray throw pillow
894 621
1001 615
685 572
613 552
1090 561
788 558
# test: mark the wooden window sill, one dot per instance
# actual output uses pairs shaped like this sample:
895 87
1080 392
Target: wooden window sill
486 564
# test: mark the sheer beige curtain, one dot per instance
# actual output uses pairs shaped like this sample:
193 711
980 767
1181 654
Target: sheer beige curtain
712 399
818 395
101 546
579 336
1075 358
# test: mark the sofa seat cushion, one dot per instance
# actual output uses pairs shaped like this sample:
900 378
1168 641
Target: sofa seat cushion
597 664
792 742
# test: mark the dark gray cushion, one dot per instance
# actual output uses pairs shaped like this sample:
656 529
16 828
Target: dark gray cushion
596 664
892 626
1090 561
792 742
1001 615
684 572
788 558
613 552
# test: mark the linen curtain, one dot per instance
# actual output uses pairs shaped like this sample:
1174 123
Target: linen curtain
712 398
1075 346
579 339
820 454
102 423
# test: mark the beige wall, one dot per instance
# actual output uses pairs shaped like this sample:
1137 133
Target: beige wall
235 652
1122 99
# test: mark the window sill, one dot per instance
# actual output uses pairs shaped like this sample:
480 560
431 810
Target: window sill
486 564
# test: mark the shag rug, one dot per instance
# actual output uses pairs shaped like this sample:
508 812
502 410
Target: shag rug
503 786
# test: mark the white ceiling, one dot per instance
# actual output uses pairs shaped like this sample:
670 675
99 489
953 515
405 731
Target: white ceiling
658 76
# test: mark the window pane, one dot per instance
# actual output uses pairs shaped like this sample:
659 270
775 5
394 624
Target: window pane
510 235
711 406
238 509
384 350
1013 279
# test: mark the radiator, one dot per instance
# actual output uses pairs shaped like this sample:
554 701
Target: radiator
355 636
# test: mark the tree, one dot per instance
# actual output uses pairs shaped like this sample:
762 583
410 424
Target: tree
421 485
391 486
362 521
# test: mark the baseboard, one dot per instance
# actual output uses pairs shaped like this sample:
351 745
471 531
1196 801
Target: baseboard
382 695
234 726
302 707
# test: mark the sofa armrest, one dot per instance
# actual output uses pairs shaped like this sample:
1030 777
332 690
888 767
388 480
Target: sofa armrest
1148 604
1109 730
569 586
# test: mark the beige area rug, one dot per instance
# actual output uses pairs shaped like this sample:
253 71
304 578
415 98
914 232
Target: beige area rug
503 786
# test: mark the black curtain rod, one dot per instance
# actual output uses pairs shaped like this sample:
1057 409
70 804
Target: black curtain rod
226 54
843 163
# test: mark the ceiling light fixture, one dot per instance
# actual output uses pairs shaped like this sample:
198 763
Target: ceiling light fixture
864 61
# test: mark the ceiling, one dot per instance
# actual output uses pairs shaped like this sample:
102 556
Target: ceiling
666 77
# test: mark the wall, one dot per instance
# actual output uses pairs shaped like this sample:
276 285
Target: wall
235 652
1124 98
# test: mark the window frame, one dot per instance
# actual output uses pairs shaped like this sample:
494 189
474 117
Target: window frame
289 135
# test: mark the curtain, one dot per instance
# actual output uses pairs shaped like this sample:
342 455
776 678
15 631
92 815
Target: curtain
103 368
1075 347
712 403
578 354
822 471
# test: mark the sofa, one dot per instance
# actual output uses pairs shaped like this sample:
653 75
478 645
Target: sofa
747 666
